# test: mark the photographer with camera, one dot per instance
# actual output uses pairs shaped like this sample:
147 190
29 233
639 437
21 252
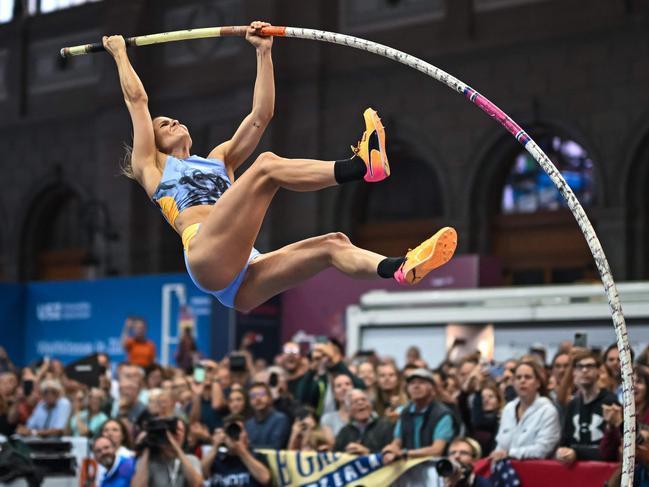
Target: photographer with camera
162 462
457 468
230 461
283 400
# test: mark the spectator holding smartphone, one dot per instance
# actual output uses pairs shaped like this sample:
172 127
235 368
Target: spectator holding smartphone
304 426
283 401
326 364
295 366
208 400
139 349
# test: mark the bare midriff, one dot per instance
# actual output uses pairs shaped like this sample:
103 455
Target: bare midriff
189 216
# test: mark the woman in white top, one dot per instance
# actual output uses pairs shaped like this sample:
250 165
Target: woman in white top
529 427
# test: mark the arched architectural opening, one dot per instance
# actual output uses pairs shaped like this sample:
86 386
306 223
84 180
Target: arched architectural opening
526 222
390 217
637 202
54 244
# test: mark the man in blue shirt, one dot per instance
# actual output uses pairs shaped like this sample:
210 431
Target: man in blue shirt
425 426
268 428
119 470
50 414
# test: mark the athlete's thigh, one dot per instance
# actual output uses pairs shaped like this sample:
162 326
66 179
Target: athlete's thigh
227 234
282 269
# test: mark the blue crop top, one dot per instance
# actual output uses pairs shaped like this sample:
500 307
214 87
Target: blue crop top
190 182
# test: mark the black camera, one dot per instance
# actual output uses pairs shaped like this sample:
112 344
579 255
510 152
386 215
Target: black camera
273 379
156 432
233 431
302 413
446 468
237 362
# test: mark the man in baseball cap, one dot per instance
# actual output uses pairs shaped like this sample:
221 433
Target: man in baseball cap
425 426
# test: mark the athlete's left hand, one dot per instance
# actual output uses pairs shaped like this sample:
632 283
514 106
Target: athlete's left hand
254 37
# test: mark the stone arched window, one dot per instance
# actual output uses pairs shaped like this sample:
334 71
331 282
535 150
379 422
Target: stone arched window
531 230
54 244
637 208
528 189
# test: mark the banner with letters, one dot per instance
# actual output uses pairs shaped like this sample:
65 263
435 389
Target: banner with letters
68 320
333 469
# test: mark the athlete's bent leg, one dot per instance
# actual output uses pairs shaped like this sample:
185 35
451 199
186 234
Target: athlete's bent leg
287 267
221 248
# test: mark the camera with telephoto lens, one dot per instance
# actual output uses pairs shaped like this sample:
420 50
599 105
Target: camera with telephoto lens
233 431
156 432
446 468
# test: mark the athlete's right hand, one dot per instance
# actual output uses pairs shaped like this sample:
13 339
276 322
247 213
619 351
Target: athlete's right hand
114 44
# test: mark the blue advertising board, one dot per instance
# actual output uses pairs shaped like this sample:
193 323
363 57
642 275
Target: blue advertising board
68 320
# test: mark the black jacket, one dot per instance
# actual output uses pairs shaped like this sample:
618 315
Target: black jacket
583 426
376 435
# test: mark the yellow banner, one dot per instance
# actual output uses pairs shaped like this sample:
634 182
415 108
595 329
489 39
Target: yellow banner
328 469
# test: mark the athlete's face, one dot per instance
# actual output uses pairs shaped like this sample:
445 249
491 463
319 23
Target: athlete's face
169 133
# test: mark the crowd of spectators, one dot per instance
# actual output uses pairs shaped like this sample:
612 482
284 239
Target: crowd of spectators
202 422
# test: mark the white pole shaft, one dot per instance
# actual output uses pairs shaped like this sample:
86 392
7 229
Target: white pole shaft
575 207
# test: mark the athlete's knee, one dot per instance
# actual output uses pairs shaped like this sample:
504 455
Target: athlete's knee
266 163
335 241
338 237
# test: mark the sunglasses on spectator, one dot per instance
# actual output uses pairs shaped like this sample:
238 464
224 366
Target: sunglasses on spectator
257 394
294 350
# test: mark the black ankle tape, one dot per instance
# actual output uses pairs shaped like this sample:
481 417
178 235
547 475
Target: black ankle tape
347 170
388 266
